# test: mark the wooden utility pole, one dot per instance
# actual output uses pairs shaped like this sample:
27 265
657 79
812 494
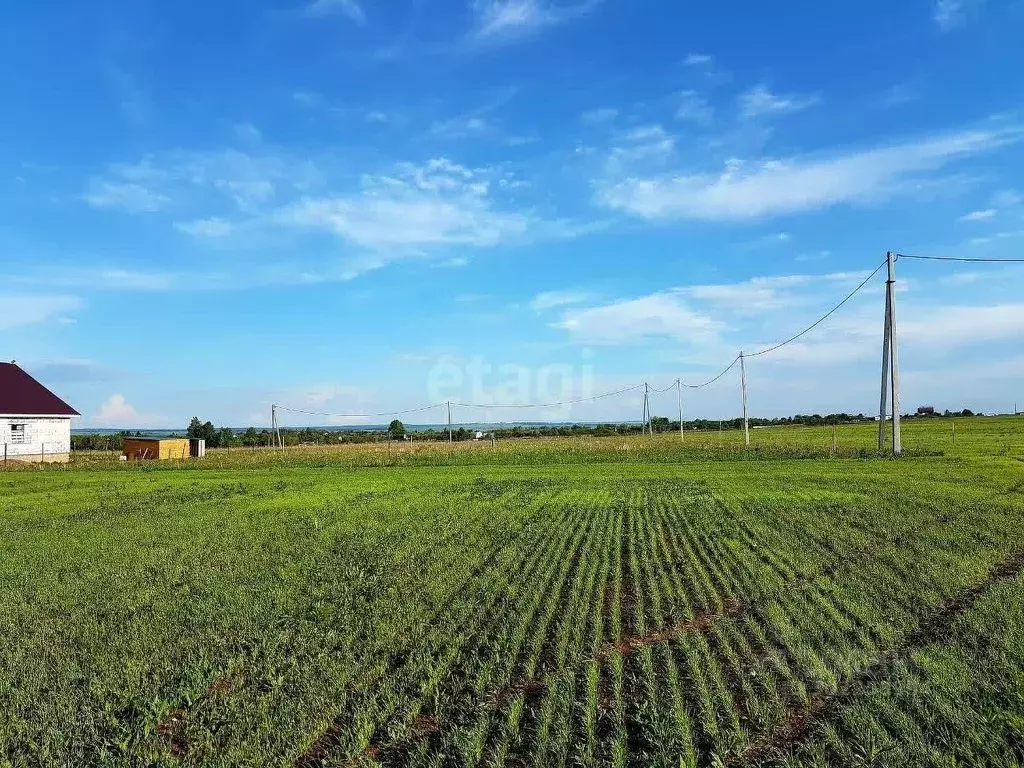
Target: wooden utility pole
743 387
449 421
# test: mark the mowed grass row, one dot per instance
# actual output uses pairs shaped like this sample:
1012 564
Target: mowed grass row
601 614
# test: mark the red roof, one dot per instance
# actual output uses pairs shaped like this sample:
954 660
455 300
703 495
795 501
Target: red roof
22 395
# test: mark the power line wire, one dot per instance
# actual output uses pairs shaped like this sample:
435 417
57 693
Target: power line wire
666 389
821 319
709 382
969 259
360 415
550 405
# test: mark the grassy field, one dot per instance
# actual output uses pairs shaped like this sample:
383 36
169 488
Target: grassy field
626 602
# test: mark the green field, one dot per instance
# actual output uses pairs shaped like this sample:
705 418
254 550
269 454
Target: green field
612 601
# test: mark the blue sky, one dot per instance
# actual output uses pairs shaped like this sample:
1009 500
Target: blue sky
353 206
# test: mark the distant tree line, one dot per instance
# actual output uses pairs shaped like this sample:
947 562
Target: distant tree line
225 437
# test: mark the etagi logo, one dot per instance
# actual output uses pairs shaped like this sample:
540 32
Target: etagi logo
484 385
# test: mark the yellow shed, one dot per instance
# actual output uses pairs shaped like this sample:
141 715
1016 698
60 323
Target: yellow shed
161 448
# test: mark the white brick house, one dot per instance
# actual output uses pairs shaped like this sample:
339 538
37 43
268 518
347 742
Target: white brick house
35 424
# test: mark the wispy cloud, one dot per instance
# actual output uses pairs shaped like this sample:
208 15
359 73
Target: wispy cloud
463 127
658 315
760 294
554 299
982 215
21 310
1000 202
771 187
416 208
697 60
212 227
760 101
599 116
350 8
503 20
642 146
246 180
949 14
476 122
124 195
1007 198
693 107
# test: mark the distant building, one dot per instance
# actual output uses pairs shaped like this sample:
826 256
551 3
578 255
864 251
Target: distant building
926 410
163 448
35 423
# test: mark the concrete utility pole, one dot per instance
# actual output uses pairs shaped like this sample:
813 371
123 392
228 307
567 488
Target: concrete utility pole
743 386
894 366
883 404
890 363
679 390
449 421
646 426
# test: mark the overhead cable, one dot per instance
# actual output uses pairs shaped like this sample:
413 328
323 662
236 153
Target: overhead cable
821 319
969 259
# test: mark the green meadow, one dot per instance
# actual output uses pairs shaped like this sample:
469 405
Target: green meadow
641 601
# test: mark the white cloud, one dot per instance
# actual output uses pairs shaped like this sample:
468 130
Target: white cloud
416 209
128 196
760 101
104 279
988 213
463 127
657 315
118 412
247 181
555 299
949 14
954 326
697 60
349 8
760 294
795 185
643 145
212 227
501 20
1006 198
599 116
17 311
693 108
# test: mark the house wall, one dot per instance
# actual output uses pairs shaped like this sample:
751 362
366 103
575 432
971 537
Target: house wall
46 439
